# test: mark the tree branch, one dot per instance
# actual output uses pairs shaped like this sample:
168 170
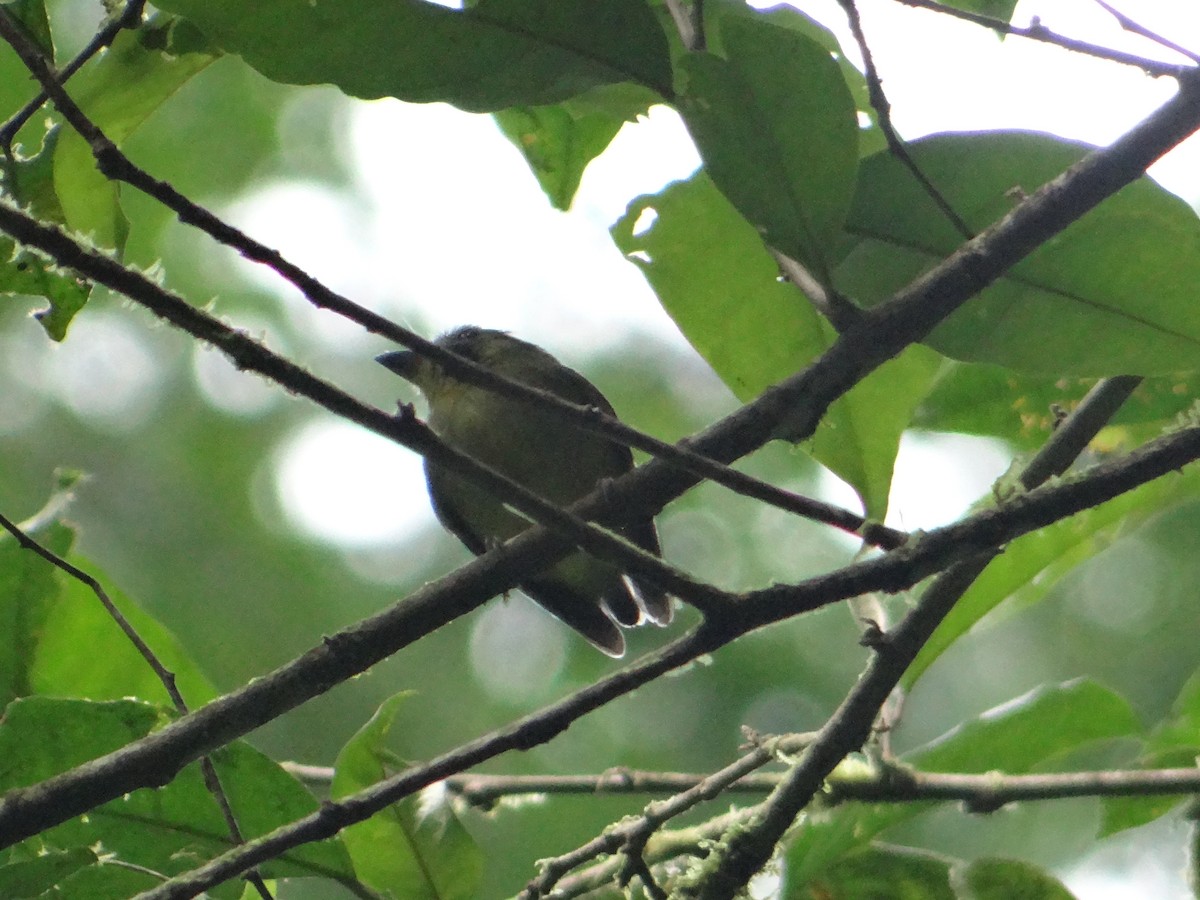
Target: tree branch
1039 32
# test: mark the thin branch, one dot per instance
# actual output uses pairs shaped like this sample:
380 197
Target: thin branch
116 165
1039 32
666 846
130 17
1134 27
883 111
982 793
636 831
838 310
164 675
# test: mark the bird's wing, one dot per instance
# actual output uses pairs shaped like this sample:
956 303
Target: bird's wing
573 387
441 492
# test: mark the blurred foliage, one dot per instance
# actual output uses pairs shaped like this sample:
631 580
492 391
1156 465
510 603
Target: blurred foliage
1085 630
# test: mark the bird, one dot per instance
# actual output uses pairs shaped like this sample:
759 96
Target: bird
544 453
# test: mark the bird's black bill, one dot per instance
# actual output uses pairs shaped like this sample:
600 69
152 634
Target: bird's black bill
402 362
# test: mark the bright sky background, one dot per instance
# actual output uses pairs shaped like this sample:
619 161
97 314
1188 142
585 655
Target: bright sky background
455 230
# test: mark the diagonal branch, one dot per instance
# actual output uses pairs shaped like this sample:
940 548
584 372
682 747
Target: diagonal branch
1039 32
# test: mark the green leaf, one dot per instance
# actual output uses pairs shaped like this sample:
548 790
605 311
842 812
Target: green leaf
777 128
172 828
976 398
140 71
714 277
1010 879
717 12
1029 568
29 589
494 55
43 736
168 829
997 9
878 872
109 881
29 181
559 141
1122 813
113 667
1028 732
1174 743
30 878
1043 724
1112 294
413 849
30 17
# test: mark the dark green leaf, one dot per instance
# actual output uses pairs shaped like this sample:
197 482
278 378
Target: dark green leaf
494 55
559 141
1045 723
29 589
141 70
870 138
30 878
30 16
412 849
777 128
878 872
1113 294
167 829
1010 879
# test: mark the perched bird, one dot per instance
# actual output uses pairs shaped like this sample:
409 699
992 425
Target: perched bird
544 453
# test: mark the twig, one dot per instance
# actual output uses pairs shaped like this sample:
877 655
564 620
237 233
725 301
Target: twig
1140 30
688 16
986 792
1039 32
883 111
636 832
130 17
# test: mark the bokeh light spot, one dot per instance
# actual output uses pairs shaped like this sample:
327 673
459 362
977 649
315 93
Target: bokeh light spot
343 484
517 650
